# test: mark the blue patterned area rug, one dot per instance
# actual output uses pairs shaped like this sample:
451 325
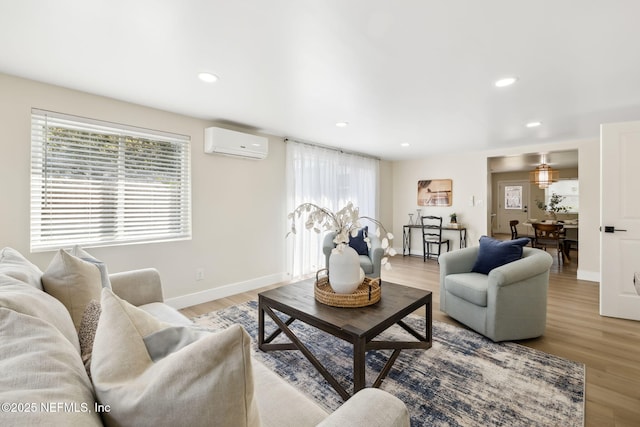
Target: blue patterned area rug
463 380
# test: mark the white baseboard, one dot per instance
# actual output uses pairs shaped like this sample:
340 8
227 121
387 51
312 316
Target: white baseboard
590 276
250 285
225 291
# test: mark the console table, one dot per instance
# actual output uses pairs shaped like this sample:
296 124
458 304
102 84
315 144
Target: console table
406 236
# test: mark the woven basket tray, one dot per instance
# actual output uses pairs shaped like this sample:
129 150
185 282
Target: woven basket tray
368 293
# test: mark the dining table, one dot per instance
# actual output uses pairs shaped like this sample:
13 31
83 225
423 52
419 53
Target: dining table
571 233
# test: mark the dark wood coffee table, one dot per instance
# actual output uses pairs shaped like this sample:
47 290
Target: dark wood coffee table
358 326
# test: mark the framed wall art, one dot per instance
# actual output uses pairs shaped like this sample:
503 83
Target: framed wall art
513 197
435 192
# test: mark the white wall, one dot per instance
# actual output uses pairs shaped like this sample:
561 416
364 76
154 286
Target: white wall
239 218
238 206
470 178
469 174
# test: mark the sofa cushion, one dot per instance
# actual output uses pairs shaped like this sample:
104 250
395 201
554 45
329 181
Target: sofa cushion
166 313
471 287
23 298
73 282
274 396
206 379
358 243
494 253
13 264
40 367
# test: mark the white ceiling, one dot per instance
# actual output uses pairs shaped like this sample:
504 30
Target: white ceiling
418 71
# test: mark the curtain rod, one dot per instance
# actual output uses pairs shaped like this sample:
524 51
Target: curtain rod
328 147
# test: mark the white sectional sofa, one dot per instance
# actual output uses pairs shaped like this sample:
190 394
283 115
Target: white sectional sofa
209 379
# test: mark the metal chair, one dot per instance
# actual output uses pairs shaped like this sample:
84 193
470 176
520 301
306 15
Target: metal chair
549 235
432 235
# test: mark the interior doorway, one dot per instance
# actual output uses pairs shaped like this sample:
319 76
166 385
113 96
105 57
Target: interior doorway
507 201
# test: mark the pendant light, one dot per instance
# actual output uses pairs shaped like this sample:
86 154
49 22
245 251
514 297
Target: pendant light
543 175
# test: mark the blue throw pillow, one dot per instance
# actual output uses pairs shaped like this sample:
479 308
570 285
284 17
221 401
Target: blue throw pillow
358 242
494 253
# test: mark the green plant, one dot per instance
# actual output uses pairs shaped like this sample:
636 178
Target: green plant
453 217
553 205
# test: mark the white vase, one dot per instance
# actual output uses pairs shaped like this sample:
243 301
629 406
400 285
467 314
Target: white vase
345 274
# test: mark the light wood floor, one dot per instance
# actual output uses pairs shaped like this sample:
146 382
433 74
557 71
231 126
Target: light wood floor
610 348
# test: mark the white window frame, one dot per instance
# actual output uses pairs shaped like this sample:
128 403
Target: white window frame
96 183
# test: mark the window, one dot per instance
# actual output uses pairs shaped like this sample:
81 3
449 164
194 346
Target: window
331 179
97 184
567 188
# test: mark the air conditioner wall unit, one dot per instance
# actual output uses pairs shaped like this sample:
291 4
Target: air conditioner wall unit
232 143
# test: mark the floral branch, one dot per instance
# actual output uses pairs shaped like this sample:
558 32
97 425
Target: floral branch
345 223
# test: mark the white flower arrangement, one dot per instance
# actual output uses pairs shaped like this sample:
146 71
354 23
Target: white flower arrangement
345 223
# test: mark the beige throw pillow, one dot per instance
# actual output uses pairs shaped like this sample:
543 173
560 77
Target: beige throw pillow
204 382
85 256
73 282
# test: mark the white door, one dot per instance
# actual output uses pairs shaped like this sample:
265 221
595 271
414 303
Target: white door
620 220
513 203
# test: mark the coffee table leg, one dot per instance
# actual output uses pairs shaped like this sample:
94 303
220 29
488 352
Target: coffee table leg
359 352
260 324
387 367
298 345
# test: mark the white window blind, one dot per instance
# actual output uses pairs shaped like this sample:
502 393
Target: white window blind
95 183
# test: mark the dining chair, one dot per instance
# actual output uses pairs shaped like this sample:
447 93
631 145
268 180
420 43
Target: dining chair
432 235
514 231
549 235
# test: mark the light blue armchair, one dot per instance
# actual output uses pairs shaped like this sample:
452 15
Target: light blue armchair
370 263
510 303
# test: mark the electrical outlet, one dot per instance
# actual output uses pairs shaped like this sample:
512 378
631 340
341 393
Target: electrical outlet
200 274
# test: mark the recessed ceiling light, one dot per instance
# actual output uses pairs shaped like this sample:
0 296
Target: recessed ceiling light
208 77
507 81
342 124
405 144
533 124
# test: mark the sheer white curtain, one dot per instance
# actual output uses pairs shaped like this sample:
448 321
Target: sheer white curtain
330 179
